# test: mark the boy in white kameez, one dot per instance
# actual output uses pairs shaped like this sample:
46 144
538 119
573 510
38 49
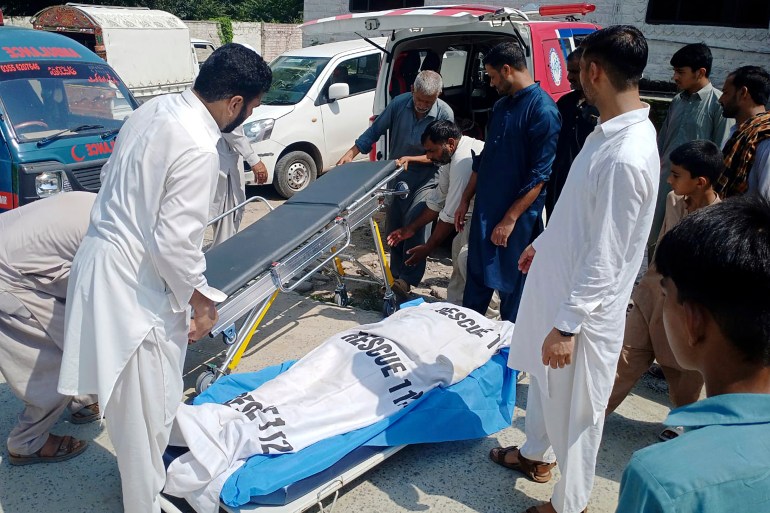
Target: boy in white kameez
573 308
137 278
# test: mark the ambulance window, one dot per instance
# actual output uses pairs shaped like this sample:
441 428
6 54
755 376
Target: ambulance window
453 65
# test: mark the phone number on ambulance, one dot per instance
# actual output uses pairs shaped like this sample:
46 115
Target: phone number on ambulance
21 66
61 71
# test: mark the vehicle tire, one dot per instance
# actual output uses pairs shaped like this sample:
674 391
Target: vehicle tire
293 172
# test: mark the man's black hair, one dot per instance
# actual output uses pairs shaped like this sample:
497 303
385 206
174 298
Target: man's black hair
756 80
719 257
699 158
233 70
621 51
694 56
440 131
506 53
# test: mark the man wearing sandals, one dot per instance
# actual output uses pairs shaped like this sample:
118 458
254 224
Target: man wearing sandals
37 244
138 293
581 272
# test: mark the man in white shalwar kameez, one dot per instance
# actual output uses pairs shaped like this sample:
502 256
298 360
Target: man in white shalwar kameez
137 278
581 272
37 244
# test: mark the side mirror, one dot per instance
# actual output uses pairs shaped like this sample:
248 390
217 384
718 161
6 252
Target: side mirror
337 91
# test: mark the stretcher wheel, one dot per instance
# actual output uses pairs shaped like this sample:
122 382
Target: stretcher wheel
205 379
389 306
341 297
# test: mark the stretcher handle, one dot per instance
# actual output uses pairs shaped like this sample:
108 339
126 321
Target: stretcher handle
239 206
377 188
334 254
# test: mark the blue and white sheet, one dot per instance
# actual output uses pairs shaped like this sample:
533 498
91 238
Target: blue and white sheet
473 406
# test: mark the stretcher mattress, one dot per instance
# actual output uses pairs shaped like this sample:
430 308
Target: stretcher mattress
251 252
477 406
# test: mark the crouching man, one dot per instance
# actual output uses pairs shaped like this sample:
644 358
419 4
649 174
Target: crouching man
37 244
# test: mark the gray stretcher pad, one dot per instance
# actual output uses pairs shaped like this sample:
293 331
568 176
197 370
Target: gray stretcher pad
251 252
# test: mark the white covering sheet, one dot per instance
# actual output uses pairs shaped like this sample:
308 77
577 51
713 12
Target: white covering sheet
353 379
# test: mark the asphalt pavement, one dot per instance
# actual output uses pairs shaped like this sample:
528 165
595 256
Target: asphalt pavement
445 477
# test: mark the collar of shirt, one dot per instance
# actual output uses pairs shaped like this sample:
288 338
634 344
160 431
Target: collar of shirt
208 121
521 93
700 95
432 113
618 123
725 409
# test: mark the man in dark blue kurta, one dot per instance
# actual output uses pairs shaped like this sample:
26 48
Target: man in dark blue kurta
508 182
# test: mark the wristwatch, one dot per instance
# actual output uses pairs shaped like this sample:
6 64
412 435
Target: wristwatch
565 333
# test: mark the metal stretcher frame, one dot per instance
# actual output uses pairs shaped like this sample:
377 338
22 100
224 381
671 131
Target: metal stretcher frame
331 209
314 496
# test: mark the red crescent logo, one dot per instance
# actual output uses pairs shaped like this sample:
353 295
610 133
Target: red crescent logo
75 155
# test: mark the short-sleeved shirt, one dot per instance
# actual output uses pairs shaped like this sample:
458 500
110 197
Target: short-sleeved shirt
719 465
452 179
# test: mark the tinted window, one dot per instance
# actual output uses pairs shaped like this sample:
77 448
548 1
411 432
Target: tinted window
292 78
41 98
724 13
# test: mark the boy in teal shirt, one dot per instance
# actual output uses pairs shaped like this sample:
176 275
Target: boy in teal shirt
716 276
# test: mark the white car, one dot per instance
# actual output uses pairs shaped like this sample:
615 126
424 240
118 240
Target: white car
320 102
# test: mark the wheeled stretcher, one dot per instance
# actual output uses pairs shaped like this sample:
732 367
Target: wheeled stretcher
288 245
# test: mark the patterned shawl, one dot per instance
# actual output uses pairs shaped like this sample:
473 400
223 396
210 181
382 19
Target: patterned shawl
739 153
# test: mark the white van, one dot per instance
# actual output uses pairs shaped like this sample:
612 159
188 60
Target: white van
320 102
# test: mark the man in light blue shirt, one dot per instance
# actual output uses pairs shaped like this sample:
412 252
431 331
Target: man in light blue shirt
716 273
406 117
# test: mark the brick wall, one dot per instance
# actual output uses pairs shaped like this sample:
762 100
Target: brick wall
731 47
269 39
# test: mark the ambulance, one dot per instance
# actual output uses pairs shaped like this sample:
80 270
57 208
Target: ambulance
61 107
453 40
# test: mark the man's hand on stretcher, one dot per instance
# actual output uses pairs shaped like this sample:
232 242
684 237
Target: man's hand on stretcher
205 316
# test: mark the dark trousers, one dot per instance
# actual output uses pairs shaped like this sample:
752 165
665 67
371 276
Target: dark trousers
400 213
477 297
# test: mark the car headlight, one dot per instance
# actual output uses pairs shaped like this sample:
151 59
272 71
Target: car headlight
48 183
259 130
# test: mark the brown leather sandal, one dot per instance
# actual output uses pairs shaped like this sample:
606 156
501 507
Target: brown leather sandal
537 471
68 447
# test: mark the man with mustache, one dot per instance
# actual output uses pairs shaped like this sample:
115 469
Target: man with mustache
747 152
406 116
137 278
447 147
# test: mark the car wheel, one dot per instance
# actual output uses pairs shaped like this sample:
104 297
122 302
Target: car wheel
293 172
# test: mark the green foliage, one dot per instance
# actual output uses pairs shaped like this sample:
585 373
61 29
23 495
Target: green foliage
225 27
274 11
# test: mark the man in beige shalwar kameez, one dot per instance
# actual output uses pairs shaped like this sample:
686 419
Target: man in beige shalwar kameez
37 244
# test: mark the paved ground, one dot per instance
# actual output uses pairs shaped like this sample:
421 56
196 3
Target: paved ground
448 477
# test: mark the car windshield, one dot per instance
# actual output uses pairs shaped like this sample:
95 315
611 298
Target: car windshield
41 99
292 78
